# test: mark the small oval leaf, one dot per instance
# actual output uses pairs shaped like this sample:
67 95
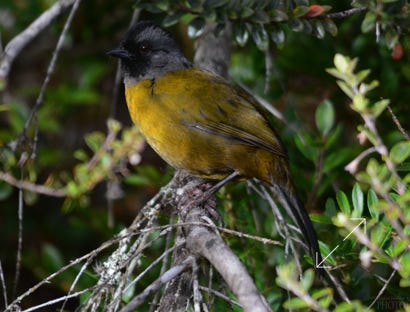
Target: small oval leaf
400 152
325 117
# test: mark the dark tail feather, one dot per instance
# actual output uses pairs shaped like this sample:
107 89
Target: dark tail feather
295 208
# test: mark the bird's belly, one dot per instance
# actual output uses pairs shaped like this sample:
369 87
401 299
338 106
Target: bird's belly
166 132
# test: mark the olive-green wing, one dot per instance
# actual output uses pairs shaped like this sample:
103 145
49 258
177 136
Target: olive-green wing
230 112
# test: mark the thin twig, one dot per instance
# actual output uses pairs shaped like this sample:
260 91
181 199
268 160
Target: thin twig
57 300
152 264
3 285
74 283
268 70
32 187
197 297
17 44
398 124
344 14
89 257
382 289
352 166
50 71
220 295
156 285
20 238
165 260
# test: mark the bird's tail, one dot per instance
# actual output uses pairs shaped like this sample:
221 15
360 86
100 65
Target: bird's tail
296 210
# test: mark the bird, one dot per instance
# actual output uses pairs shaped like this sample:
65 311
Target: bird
198 121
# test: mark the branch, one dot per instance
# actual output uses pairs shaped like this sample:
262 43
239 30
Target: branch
32 187
17 44
211 246
398 124
347 13
156 285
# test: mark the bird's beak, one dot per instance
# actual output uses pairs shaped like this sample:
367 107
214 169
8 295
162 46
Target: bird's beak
119 52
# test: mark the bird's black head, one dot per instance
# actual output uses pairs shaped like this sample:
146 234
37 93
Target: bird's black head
147 52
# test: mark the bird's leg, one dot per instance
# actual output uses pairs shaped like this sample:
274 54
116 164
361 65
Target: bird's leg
198 193
219 184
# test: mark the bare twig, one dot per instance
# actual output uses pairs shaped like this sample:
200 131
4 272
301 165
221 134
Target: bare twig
156 285
165 260
347 13
398 124
32 187
382 289
211 246
57 300
50 71
352 166
152 264
88 257
20 238
73 284
15 46
220 295
268 70
3 285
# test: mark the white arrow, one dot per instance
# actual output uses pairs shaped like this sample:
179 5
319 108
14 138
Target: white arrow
319 265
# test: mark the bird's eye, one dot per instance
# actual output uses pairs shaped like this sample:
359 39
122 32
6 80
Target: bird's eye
144 48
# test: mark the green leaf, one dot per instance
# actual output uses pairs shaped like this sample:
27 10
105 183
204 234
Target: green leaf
5 190
362 75
295 24
336 158
307 26
341 62
405 265
278 35
94 140
307 279
343 202
371 204
326 252
330 27
380 233
212 4
330 208
319 29
300 10
398 248
319 218
307 149
260 17
52 258
391 38
171 20
260 37
295 303
324 296
358 200
379 107
196 27
369 22
400 152
246 12
241 34
325 117
193 4
279 16
345 88
150 7
301 2
360 102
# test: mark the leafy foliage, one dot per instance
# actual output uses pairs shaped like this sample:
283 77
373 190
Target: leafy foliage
81 162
